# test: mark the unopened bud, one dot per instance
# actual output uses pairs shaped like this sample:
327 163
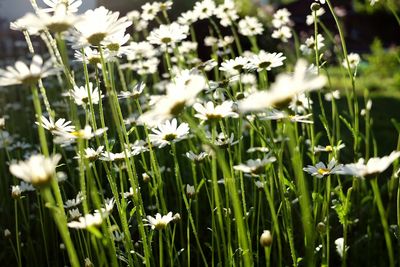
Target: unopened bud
315 6
266 239
146 177
176 218
321 227
7 233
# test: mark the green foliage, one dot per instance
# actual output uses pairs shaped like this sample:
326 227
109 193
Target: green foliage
383 64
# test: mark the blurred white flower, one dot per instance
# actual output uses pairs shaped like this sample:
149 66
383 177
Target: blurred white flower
284 34
37 170
168 34
374 166
22 74
285 88
250 26
255 167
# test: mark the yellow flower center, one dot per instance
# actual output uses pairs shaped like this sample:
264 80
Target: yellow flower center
323 171
329 148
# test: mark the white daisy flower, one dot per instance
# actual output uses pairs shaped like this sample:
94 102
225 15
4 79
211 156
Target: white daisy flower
255 167
309 45
374 166
181 93
96 25
281 18
196 157
204 9
22 74
211 112
332 95
37 170
320 170
91 154
89 220
150 11
74 214
61 125
265 61
250 26
70 203
158 222
234 66
226 12
300 104
187 18
284 34
66 138
59 21
169 132
354 60
279 115
168 34
115 157
71 5
328 148
140 50
135 92
286 87
81 95
318 13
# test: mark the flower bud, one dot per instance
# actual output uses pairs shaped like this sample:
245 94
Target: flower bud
176 218
146 177
321 227
7 233
266 239
315 6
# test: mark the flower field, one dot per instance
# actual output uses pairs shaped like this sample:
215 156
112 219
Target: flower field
213 137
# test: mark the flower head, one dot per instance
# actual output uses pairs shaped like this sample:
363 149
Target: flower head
374 166
211 112
320 169
254 167
159 222
37 170
22 74
169 132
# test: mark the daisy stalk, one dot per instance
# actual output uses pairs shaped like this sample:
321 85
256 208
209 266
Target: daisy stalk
352 78
132 175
